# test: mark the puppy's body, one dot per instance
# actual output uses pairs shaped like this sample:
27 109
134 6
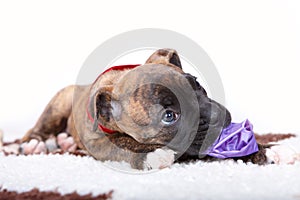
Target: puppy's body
81 110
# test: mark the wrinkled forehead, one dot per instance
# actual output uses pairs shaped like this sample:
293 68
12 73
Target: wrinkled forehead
154 94
155 87
160 77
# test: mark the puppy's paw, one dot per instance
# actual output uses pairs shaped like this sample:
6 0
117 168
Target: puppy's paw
159 159
34 147
282 154
66 143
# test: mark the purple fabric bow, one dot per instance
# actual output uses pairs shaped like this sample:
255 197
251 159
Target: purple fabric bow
236 140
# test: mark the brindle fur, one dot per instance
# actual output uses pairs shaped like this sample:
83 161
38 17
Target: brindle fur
67 112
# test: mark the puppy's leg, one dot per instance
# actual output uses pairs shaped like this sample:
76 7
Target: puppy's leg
121 147
52 121
159 159
273 154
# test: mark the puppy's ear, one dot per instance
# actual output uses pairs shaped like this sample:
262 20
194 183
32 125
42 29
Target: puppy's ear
100 105
165 57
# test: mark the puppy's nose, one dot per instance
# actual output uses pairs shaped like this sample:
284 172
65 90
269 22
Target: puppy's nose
216 114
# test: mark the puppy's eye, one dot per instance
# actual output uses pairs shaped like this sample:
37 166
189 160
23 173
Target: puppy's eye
169 117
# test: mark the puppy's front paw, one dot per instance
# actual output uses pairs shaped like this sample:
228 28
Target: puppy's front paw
282 154
66 143
34 147
159 159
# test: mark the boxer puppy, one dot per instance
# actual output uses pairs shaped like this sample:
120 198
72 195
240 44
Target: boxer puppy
126 116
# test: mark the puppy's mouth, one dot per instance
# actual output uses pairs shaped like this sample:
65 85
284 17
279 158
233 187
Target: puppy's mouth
203 125
210 128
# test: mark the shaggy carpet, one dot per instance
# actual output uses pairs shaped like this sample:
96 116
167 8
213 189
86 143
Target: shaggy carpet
69 176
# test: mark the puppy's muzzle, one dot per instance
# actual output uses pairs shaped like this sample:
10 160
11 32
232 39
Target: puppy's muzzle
214 114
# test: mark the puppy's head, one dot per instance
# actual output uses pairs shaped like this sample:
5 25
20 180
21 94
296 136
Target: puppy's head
157 103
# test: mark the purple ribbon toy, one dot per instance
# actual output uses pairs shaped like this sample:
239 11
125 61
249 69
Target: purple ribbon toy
236 140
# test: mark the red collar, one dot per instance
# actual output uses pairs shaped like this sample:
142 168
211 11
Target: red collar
117 68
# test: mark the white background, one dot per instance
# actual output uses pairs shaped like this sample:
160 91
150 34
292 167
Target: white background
254 44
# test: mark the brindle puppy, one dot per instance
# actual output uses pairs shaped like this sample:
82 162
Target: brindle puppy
121 102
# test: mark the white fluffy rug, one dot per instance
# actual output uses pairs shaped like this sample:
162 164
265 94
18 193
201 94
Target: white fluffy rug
200 180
